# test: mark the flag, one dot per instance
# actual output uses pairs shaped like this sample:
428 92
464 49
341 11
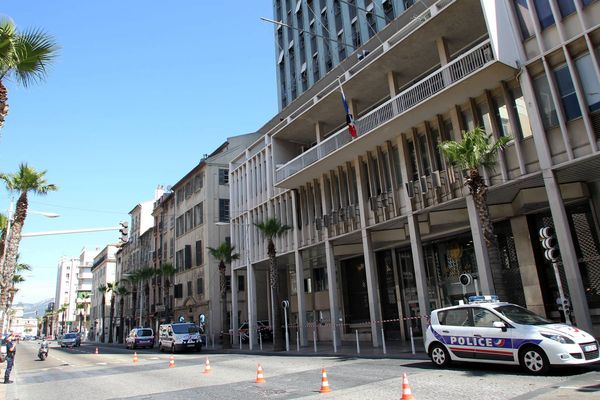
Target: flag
349 118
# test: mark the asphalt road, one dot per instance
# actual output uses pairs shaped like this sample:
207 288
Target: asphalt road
80 373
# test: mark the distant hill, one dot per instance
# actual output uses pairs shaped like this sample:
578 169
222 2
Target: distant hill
29 309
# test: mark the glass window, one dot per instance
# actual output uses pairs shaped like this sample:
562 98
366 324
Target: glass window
589 81
544 13
424 155
199 253
521 112
320 275
521 315
483 318
456 317
501 113
524 18
437 140
223 210
566 7
199 286
241 283
413 161
587 2
189 288
567 92
467 118
545 103
223 176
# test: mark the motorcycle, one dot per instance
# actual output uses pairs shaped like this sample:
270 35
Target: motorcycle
43 351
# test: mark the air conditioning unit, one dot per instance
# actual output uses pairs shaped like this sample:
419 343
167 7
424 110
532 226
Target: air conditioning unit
326 220
436 180
318 224
423 182
334 217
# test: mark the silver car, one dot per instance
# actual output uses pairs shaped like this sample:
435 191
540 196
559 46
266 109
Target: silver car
70 339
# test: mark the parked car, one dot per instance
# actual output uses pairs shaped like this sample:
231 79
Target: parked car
486 330
180 336
140 337
71 339
263 328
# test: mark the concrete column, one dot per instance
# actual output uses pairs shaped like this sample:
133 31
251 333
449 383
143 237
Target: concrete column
481 251
442 48
392 78
527 267
333 291
567 251
299 274
416 248
235 323
251 299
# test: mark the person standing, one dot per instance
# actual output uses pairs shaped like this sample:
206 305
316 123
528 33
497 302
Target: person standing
11 350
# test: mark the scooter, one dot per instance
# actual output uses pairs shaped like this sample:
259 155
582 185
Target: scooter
43 351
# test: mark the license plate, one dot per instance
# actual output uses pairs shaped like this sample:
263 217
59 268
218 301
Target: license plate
191 345
590 347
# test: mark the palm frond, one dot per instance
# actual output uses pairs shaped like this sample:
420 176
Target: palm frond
34 51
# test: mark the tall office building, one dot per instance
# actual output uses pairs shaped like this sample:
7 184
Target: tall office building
320 34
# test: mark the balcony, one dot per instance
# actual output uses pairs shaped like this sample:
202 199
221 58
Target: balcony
466 76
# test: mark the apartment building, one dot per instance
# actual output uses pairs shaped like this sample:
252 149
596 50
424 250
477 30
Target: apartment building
201 217
85 288
66 292
383 225
317 35
103 272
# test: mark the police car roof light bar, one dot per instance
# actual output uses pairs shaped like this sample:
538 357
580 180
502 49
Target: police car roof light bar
484 299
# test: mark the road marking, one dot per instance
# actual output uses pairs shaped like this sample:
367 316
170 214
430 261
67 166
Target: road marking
101 363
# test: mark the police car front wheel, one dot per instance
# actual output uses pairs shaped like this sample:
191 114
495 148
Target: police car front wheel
439 355
534 360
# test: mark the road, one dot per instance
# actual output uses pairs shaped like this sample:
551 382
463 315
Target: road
80 373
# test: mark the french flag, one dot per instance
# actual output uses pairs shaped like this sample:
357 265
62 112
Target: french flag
349 117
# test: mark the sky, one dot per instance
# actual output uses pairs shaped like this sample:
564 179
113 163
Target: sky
140 90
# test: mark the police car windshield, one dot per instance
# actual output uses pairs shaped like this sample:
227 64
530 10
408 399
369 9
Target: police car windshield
185 328
520 315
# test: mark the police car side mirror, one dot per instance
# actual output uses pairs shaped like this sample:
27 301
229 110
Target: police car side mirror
501 325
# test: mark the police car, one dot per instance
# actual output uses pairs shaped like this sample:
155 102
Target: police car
486 330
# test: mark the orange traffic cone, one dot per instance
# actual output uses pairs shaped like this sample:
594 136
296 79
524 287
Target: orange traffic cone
259 375
171 361
324 382
207 368
406 392
135 357
96 350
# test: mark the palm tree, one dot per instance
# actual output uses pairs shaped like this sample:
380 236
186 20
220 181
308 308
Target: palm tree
111 288
17 278
25 180
272 228
122 292
224 253
85 303
102 289
80 307
167 270
476 150
62 310
24 57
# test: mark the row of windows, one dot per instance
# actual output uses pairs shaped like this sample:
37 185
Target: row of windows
183 258
178 289
193 185
190 219
544 13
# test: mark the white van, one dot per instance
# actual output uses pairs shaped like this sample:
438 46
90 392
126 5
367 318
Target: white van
179 336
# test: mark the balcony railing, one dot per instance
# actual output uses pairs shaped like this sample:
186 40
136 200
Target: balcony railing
469 63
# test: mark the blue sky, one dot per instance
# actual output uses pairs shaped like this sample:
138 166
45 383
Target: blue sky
139 92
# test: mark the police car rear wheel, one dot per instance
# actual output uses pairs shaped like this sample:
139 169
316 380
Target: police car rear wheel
534 360
439 355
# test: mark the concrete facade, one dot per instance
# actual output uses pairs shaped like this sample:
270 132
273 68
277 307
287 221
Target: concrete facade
103 273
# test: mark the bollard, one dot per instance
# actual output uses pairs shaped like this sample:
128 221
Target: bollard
334 340
383 341
357 342
297 341
315 339
241 345
260 339
412 339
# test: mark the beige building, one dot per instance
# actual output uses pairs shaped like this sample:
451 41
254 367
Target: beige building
383 224
103 272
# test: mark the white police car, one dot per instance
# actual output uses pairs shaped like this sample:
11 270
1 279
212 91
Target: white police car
486 330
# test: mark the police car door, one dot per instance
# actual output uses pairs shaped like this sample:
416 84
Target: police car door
491 343
457 332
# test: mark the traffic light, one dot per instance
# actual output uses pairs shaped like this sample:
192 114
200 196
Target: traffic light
124 232
549 243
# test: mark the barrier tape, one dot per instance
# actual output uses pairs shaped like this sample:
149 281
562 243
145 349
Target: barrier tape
328 323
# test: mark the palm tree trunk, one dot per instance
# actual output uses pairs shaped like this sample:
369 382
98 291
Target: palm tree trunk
122 319
225 328
102 322
278 344
12 247
3 103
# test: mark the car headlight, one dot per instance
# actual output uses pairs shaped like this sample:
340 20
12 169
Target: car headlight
559 338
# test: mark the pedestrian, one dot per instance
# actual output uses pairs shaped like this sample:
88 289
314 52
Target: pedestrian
11 350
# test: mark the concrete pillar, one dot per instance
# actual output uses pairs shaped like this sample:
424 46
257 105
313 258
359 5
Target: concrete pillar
333 292
484 268
251 294
235 323
567 251
416 248
442 48
527 266
300 295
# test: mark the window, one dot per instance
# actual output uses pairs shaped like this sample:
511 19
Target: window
189 220
566 7
320 279
521 112
341 46
223 210
179 260
199 253
223 176
456 317
179 229
241 283
589 81
388 10
178 291
189 288
199 181
567 92
188 256
483 318
199 214
199 286
544 13
544 98
501 113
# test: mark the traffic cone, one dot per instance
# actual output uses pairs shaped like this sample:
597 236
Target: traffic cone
406 392
96 350
259 375
207 368
171 361
135 357
324 382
